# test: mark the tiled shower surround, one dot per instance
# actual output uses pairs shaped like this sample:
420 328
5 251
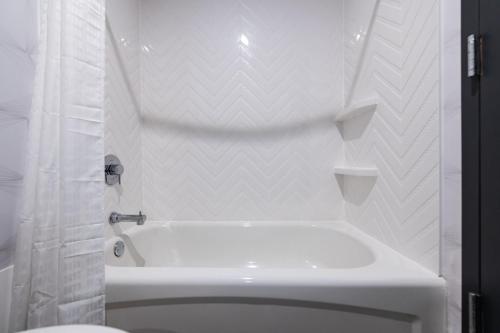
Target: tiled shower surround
237 100
236 103
400 68
224 110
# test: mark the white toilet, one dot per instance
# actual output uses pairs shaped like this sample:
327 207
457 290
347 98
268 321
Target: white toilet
75 329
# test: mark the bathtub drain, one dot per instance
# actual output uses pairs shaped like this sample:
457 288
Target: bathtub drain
119 249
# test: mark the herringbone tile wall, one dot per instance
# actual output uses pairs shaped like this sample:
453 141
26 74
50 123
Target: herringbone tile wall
402 138
238 100
122 123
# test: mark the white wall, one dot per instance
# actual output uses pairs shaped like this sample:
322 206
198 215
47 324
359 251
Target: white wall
229 131
122 133
451 180
17 48
5 297
235 131
402 138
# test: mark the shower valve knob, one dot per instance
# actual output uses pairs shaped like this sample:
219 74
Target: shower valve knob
113 170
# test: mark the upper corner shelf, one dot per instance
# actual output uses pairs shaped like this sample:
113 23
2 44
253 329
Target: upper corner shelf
356 110
357 171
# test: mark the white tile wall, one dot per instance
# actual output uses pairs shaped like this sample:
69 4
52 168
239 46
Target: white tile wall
401 67
5 297
358 17
451 181
123 123
238 100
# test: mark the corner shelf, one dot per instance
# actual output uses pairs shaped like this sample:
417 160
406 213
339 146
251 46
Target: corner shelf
356 171
356 110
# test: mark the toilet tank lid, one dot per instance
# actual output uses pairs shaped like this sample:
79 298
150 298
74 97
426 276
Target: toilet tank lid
76 329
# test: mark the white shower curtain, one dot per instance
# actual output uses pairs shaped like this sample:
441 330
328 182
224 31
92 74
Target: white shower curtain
59 261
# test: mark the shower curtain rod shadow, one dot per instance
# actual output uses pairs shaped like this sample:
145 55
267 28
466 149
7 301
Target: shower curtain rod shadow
361 60
283 130
121 65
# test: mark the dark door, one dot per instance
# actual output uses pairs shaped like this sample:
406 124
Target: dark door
481 166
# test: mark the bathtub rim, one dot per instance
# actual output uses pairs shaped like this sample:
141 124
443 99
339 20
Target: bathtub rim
385 258
391 277
389 269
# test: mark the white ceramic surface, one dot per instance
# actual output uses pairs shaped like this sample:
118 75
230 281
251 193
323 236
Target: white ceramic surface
242 245
235 127
5 297
185 267
122 135
353 111
237 101
401 67
75 329
356 171
207 77
451 169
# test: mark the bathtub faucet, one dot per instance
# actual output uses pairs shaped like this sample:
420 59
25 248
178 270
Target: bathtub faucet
116 218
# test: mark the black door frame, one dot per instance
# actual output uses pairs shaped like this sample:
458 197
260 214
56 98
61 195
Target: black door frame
471 166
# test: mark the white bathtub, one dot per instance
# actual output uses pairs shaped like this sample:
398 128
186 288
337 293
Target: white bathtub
188 277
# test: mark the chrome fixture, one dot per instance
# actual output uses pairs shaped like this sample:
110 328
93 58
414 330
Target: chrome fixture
113 170
119 248
116 218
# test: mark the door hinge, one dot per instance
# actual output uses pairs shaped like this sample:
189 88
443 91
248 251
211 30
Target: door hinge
474 313
474 55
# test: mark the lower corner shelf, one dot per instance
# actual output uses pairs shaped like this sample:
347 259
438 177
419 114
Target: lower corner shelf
356 171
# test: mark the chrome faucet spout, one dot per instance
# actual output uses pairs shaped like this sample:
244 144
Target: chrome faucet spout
115 217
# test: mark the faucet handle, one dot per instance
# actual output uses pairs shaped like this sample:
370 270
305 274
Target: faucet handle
113 170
